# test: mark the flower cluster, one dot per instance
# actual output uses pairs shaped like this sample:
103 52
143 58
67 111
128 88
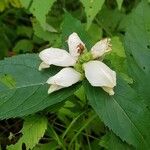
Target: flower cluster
79 63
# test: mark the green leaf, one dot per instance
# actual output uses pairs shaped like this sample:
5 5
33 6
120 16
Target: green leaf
40 32
39 9
119 3
111 26
95 32
15 3
92 7
137 46
117 46
47 146
5 42
33 129
2 5
23 89
46 35
23 46
25 3
117 59
124 113
111 142
24 31
70 25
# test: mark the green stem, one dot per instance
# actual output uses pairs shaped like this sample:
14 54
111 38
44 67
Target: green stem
82 128
71 124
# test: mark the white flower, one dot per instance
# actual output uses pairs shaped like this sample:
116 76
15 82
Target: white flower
60 57
97 73
101 47
64 78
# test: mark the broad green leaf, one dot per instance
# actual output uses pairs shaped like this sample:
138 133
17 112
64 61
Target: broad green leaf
92 7
39 9
70 25
23 46
124 113
33 129
111 142
137 46
23 89
119 3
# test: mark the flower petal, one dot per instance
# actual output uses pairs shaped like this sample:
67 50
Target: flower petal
57 57
76 46
64 78
110 91
99 74
43 65
54 88
101 47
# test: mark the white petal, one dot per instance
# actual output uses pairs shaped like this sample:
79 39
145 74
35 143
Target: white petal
65 77
110 91
57 57
99 74
101 47
76 46
54 88
43 65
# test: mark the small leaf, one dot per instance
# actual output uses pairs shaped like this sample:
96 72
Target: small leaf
2 5
111 26
117 46
39 9
92 7
23 46
53 37
15 3
33 129
25 3
95 32
47 146
111 142
24 31
119 3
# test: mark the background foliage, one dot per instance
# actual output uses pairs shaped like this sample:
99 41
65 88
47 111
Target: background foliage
85 117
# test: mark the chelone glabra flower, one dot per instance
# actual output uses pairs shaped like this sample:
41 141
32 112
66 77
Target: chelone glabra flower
79 63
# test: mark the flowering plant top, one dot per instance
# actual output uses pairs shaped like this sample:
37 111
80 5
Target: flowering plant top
79 63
